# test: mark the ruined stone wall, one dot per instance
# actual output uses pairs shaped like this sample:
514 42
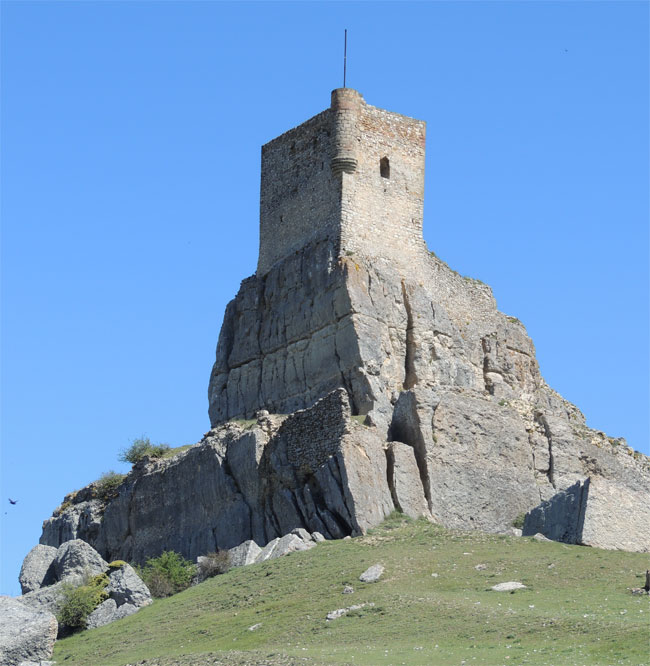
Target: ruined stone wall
313 435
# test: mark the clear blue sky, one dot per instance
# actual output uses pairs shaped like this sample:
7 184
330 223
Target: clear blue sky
131 137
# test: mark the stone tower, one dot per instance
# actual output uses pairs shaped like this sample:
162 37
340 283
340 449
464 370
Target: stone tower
353 174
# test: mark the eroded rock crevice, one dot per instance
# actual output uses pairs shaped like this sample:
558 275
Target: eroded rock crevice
410 374
543 423
390 477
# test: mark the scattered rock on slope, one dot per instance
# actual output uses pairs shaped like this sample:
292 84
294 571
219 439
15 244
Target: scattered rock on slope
372 574
510 586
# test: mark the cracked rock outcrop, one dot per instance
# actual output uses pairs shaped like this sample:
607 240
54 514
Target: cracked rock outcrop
317 469
416 394
404 393
428 360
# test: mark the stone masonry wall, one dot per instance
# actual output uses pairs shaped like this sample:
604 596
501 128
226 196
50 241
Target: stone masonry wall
381 217
322 180
299 196
313 435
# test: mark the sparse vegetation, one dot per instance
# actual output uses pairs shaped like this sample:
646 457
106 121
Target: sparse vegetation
68 501
214 564
106 487
117 564
79 602
467 278
518 522
141 448
246 424
360 419
167 574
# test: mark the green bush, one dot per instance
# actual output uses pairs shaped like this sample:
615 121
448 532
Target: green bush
167 574
213 564
117 564
518 522
107 485
78 603
141 448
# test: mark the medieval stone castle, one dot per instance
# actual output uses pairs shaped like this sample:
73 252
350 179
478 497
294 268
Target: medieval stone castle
373 378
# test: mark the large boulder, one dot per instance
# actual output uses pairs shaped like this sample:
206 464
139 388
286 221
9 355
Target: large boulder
290 543
595 512
267 552
76 561
108 612
126 587
37 569
25 634
46 598
245 553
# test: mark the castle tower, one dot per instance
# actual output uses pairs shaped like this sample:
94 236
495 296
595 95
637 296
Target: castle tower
353 174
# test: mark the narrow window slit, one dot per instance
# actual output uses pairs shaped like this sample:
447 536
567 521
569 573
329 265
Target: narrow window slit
384 167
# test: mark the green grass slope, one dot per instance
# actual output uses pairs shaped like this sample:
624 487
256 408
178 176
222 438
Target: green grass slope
577 608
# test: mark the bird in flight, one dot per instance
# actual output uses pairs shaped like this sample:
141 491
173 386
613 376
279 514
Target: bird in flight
12 501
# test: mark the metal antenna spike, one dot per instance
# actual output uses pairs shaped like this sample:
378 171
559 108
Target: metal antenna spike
345 55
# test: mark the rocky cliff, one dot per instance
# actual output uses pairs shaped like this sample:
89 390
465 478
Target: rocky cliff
369 390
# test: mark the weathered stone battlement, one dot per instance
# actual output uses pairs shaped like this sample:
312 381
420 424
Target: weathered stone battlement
354 175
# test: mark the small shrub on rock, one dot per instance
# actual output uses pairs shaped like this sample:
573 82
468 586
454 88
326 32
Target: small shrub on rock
167 574
107 485
117 564
142 447
79 602
518 522
213 564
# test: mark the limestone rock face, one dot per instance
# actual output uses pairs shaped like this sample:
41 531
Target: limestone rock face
80 509
405 481
316 469
25 634
37 569
596 512
430 362
458 424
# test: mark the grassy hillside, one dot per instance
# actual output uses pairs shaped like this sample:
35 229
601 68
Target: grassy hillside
577 608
